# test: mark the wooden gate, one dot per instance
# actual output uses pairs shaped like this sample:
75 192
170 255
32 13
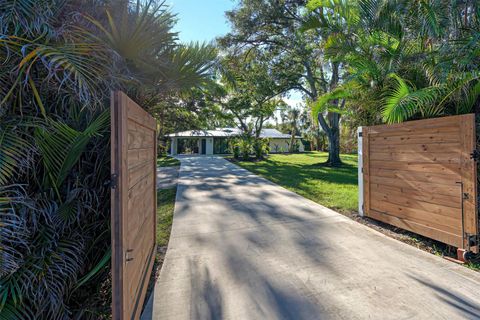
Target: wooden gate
133 204
420 176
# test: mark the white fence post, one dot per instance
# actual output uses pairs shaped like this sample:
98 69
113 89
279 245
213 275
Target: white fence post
360 171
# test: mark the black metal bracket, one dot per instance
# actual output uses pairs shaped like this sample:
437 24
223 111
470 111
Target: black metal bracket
113 181
475 155
472 240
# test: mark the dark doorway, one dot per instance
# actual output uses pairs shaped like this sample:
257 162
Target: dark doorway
204 146
187 146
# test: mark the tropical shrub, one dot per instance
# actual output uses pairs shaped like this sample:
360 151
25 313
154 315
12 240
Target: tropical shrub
245 146
260 148
236 151
60 59
402 59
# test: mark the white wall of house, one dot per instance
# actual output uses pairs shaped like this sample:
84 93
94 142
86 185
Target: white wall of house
283 145
173 146
209 146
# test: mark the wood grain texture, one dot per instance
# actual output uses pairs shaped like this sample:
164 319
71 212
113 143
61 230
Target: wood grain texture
133 205
414 173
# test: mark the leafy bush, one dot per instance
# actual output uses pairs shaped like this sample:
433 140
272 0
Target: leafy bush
245 146
260 147
296 146
162 150
236 151
245 149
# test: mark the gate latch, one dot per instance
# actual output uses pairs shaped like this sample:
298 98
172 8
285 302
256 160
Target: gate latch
475 155
127 255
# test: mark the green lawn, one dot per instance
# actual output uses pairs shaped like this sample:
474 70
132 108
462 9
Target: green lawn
303 173
167 162
165 205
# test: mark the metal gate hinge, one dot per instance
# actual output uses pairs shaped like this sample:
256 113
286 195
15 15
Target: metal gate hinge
113 181
475 155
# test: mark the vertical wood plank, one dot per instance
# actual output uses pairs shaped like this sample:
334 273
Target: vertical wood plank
113 206
366 170
118 152
469 175
123 174
155 133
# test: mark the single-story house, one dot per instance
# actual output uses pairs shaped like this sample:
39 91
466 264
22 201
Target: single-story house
216 141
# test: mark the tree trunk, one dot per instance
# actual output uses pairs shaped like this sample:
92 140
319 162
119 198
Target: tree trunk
334 148
318 143
292 141
333 135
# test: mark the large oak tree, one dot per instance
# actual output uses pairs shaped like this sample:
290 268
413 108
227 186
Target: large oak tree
273 27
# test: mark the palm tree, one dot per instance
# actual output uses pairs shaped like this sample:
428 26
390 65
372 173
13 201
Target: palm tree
414 57
292 116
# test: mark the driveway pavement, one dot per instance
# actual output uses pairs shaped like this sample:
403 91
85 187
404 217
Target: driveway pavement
167 177
244 248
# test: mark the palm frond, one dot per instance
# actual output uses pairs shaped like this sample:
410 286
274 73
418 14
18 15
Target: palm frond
193 65
61 146
14 153
324 102
28 17
403 101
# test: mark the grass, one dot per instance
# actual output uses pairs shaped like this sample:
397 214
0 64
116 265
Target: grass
167 162
303 173
165 206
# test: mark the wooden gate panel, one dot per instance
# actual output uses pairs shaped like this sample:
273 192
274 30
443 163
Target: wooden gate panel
133 205
414 174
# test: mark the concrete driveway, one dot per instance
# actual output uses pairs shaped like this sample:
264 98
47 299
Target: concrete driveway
244 248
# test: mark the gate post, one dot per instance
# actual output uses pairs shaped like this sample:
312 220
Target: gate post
360 170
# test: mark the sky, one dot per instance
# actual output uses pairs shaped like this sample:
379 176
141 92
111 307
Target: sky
201 20
204 20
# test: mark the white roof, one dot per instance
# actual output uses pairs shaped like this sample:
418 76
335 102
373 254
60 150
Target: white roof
229 132
274 133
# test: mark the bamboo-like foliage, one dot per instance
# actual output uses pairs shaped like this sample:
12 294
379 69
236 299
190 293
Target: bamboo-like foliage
59 61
